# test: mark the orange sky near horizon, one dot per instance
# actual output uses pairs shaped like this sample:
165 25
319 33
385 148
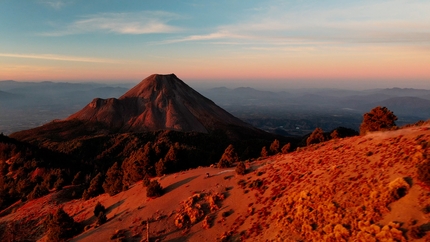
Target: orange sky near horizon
376 43
352 65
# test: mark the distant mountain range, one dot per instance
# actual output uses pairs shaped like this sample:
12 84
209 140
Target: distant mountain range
158 103
29 104
6 96
403 102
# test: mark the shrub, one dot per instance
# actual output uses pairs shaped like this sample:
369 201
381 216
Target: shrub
241 168
426 209
417 232
154 189
423 170
316 137
398 188
379 118
61 226
228 158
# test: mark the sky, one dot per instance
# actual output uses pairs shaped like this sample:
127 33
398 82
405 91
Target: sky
348 44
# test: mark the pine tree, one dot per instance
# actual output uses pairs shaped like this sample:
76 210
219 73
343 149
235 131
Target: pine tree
78 179
170 160
241 168
274 147
38 191
228 158
101 218
113 183
140 162
334 134
264 152
286 148
160 167
316 137
61 226
99 208
379 118
95 188
145 180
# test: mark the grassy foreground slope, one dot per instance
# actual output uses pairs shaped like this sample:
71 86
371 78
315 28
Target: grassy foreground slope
364 188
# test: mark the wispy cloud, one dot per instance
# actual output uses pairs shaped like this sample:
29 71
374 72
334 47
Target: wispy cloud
146 22
58 58
380 22
55 4
203 37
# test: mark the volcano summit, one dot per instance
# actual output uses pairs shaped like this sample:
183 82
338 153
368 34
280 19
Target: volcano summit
159 102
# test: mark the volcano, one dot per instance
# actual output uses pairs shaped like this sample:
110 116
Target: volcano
159 102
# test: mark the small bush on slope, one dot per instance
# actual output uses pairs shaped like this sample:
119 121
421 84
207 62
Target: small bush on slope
423 170
241 168
192 210
397 189
154 189
99 208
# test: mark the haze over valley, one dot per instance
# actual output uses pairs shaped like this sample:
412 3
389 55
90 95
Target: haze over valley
294 112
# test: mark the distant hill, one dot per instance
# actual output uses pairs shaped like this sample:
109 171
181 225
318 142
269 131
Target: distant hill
5 96
31 104
403 92
402 106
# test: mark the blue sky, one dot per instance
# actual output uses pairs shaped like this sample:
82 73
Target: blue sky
355 44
